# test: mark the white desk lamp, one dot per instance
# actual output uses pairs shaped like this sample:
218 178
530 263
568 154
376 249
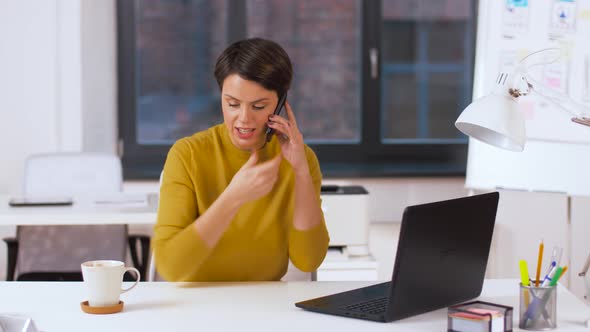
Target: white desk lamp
494 119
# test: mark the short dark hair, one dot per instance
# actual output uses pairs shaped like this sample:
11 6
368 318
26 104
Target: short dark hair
259 60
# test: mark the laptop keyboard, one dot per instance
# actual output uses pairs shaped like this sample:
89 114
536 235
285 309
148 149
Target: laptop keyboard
374 306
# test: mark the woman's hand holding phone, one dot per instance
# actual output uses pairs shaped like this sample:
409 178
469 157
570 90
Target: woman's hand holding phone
291 139
277 111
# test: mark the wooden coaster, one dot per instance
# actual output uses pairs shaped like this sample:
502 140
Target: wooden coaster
101 310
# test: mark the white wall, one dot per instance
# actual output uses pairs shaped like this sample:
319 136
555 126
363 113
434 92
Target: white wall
580 244
28 87
58 82
99 76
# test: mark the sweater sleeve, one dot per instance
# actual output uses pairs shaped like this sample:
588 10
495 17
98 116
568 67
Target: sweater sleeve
308 248
178 248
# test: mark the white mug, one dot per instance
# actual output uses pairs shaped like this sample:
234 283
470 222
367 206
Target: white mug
103 280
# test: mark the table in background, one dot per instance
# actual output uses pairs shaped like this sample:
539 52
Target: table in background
83 212
263 306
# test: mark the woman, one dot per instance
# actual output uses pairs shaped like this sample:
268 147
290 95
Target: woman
233 207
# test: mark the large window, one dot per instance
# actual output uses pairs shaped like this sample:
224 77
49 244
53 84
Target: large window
377 85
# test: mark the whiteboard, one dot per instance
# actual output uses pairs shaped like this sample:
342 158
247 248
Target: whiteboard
557 152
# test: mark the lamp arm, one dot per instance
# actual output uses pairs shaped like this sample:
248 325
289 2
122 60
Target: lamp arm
586 267
580 112
557 53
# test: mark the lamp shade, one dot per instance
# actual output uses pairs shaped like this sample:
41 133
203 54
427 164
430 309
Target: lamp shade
494 119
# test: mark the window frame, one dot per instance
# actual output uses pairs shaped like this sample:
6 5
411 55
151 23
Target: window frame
371 157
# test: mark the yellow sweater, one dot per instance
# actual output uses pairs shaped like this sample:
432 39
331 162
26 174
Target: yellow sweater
260 239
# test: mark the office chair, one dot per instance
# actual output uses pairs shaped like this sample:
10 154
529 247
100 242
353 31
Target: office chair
52 253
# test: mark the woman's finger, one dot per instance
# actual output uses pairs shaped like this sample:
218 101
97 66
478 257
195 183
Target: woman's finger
283 127
290 128
280 119
290 114
278 127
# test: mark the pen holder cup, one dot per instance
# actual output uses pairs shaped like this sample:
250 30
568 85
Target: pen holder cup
538 308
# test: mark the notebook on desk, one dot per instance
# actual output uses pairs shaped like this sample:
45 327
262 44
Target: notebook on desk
441 260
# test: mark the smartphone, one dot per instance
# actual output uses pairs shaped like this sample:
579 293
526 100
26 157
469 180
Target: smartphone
280 106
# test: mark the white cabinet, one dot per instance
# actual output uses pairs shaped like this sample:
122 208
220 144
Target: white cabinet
342 267
523 219
580 242
526 217
338 266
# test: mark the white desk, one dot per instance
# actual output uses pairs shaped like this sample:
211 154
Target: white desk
267 306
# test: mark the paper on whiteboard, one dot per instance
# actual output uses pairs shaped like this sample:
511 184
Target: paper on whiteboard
515 18
563 18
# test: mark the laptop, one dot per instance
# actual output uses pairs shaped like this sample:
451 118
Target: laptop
441 260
